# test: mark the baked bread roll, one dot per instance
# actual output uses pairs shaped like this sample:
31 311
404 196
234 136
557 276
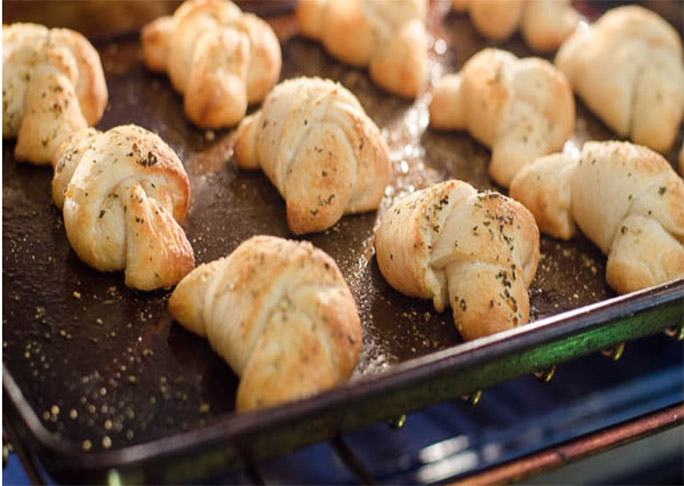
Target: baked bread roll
123 193
545 24
627 68
520 108
280 313
319 148
218 57
387 36
477 252
625 198
52 86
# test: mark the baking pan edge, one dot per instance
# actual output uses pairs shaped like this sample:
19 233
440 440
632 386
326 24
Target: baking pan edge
237 439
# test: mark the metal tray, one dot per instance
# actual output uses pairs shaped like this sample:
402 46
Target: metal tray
99 384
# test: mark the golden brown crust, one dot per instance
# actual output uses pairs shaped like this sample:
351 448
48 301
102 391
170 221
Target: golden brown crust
643 254
400 67
310 14
495 19
124 194
615 179
520 108
627 68
387 36
460 5
91 88
262 75
626 198
545 24
53 85
544 188
476 252
319 148
212 98
415 220
293 329
155 45
220 58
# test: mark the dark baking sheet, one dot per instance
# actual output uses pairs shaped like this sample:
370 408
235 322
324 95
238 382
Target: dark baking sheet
104 368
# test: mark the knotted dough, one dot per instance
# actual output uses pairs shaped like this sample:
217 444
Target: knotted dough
319 148
627 68
520 108
625 198
52 86
220 58
545 24
124 193
474 251
387 36
280 313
